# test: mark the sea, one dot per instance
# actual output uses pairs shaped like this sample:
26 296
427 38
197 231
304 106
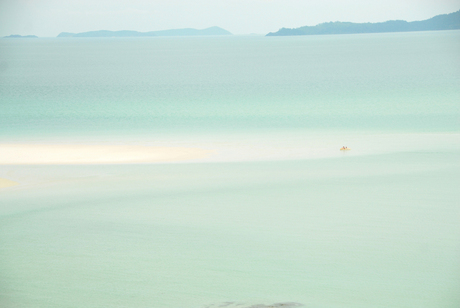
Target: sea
277 215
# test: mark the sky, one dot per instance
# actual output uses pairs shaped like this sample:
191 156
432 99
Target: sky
47 18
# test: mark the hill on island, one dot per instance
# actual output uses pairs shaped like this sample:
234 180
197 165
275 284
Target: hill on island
440 22
127 33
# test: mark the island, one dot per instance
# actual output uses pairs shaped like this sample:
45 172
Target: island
20 36
440 22
171 32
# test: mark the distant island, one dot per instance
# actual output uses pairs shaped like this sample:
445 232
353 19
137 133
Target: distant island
127 33
20 36
440 22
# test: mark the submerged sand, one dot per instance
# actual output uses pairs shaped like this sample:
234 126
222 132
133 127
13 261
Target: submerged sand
23 154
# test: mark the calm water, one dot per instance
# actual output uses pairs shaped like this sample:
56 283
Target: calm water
277 214
392 82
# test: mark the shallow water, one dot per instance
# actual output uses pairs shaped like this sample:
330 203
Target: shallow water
278 215
373 231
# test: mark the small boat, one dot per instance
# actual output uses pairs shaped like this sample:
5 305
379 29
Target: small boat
344 149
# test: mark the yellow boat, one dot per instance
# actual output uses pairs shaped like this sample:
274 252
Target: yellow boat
345 149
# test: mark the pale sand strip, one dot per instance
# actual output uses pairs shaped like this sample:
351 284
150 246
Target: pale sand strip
7 183
27 154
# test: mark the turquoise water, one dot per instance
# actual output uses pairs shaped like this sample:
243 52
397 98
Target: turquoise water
278 214
397 82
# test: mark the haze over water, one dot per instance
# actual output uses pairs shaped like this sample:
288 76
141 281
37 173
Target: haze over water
277 214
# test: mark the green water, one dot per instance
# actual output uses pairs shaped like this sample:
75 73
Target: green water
277 214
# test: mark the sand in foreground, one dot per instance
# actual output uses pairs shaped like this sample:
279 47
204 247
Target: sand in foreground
19 154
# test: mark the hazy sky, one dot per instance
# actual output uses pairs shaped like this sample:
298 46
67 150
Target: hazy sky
50 17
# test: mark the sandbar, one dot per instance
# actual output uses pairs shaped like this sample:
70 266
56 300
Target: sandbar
58 154
7 183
